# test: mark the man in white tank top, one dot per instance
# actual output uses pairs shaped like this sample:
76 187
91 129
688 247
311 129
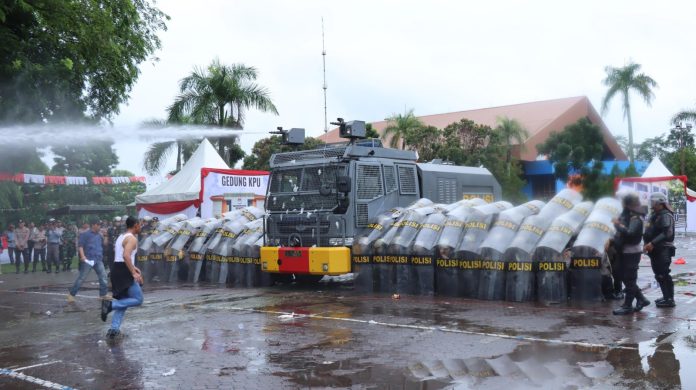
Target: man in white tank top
126 278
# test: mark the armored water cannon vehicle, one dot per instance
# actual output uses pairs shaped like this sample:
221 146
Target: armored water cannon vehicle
319 200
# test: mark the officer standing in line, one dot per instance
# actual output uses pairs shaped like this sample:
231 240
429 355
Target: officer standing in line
659 244
629 233
112 234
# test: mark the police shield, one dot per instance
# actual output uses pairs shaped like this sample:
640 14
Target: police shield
520 264
586 278
399 250
504 229
362 249
196 251
468 254
422 259
551 281
385 273
248 267
446 263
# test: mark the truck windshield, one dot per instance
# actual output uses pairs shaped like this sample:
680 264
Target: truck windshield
297 189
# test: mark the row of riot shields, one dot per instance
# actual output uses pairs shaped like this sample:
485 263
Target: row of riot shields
225 251
535 251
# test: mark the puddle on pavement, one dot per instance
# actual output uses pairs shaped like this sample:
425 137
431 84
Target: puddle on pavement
664 362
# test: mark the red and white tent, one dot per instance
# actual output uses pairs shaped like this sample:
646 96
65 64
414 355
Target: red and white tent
655 179
181 194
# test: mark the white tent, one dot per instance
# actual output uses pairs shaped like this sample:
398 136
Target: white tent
181 194
657 169
655 179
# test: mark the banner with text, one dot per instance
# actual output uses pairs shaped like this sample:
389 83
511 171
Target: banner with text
224 190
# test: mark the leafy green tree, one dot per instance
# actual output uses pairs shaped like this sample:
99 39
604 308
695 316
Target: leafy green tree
572 149
578 150
370 131
72 60
651 148
219 96
622 81
92 159
399 126
426 141
510 130
263 149
20 158
680 139
684 116
622 140
471 144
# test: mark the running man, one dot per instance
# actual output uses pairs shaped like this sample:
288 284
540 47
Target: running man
126 279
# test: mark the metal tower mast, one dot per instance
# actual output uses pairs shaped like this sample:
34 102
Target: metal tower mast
323 56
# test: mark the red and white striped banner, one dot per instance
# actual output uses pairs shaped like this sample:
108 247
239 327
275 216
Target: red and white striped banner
28 178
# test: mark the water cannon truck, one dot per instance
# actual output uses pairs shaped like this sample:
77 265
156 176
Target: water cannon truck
319 200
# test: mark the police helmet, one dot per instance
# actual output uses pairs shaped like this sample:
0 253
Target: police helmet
631 200
658 197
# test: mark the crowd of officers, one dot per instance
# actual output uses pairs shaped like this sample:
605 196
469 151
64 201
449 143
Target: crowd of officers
54 244
635 236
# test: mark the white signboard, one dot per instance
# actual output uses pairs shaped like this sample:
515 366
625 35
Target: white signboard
223 190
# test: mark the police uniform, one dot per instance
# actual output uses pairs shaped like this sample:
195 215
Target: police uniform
112 234
629 231
660 233
68 247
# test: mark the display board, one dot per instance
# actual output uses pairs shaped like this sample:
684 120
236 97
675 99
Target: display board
223 190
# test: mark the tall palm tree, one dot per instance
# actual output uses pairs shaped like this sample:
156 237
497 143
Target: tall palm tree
399 126
219 95
684 116
622 81
510 130
158 153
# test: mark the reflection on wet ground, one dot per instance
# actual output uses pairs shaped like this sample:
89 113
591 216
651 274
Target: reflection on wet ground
190 336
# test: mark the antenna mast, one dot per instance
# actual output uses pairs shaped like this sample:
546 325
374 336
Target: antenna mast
323 56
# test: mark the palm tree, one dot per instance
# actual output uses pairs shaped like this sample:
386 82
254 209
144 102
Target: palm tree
158 153
684 116
623 80
510 130
399 126
218 96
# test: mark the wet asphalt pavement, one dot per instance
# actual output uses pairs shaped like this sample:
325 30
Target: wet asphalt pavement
327 335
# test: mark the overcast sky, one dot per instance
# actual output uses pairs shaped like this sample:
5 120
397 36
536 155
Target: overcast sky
433 56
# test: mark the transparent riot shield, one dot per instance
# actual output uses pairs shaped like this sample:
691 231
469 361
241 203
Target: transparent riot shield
587 252
365 276
164 268
422 254
520 285
249 265
233 270
468 255
196 251
143 248
220 254
447 277
551 275
504 229
400 248
186 236
385 272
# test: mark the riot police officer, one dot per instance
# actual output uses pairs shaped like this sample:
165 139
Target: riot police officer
659 244
629 233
